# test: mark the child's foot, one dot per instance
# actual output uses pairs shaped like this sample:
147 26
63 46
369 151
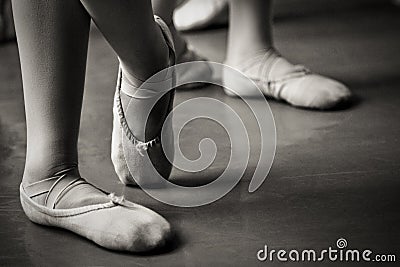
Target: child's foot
135 133
67 201
279 79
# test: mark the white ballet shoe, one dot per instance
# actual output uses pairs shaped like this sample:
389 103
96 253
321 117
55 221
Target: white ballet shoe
127 151
281 80
117 224
200 14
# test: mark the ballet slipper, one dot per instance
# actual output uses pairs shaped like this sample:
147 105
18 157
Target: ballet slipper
193 72
200 14
116 224
279 79
127 151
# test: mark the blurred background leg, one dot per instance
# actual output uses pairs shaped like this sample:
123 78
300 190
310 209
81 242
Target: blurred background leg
250 28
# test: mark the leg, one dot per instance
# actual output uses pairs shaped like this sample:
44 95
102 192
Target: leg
142 49
250 28
130 29
53 39
52 42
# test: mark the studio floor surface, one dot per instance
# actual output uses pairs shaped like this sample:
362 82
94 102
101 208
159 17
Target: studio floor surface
336 174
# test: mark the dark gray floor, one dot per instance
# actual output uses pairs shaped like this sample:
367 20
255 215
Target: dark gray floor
336 174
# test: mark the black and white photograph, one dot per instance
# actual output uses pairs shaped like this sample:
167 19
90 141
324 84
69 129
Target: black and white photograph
199 132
